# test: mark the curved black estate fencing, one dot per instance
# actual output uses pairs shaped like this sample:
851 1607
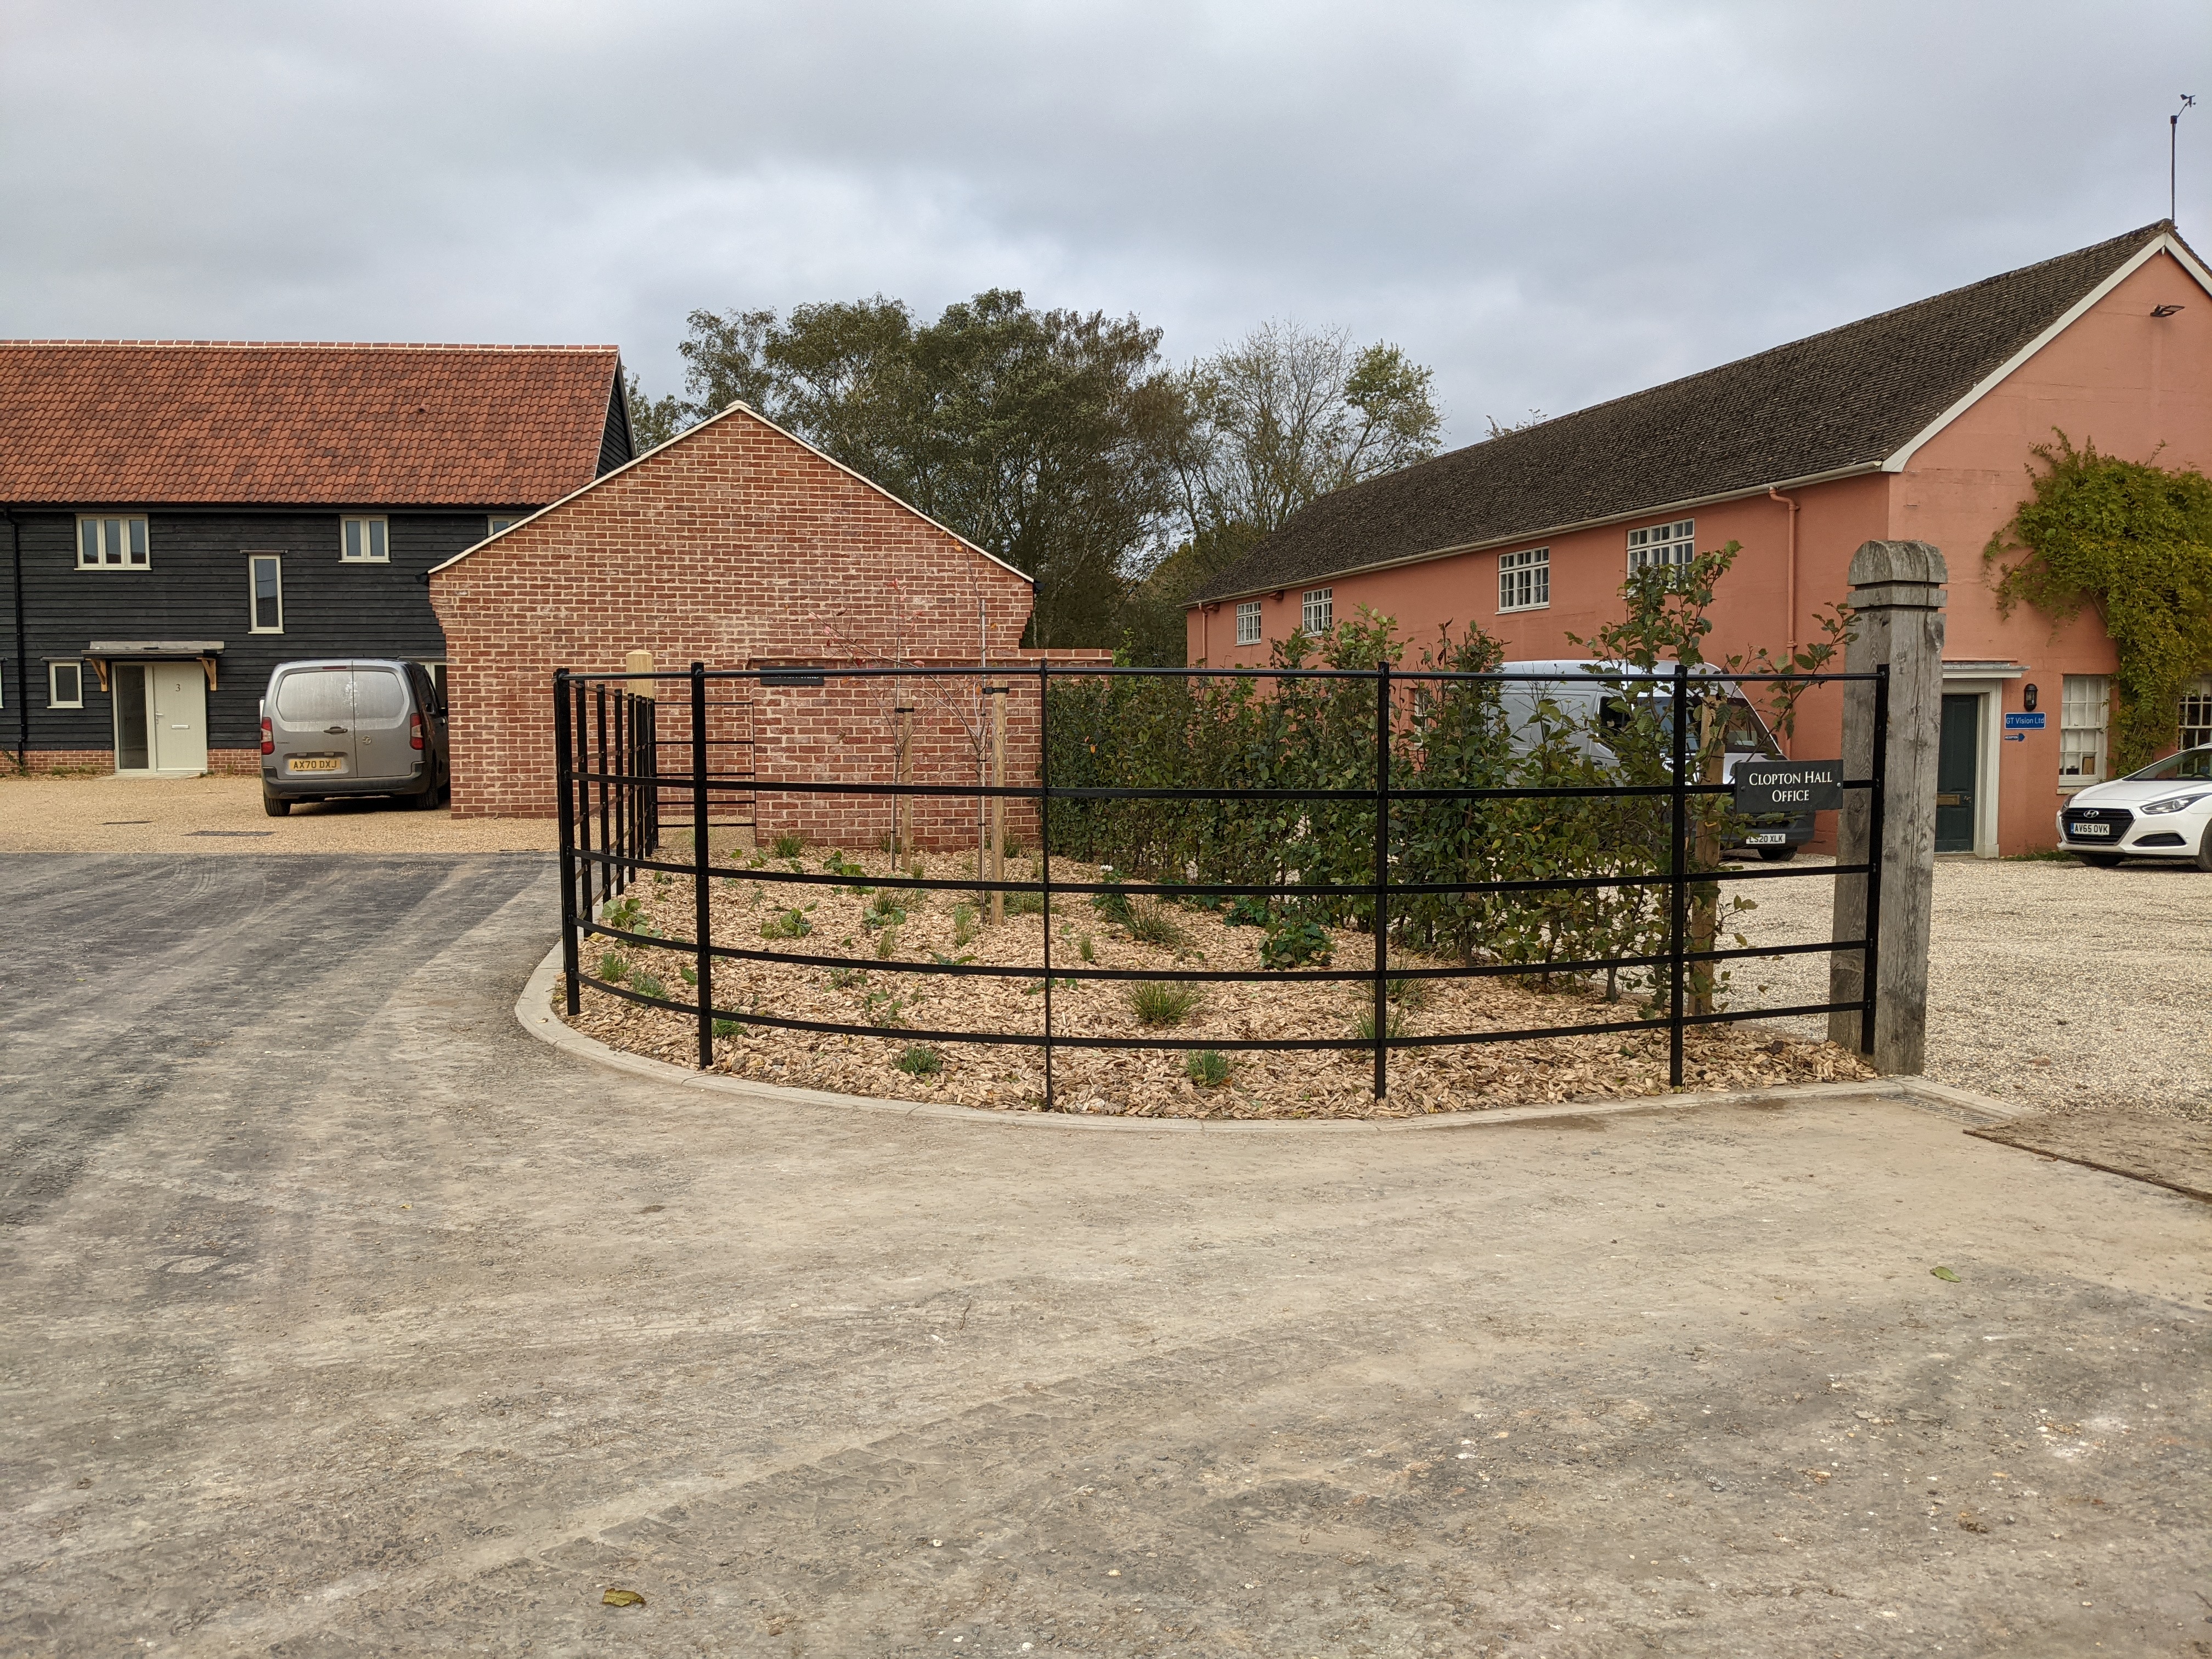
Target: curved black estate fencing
1661 803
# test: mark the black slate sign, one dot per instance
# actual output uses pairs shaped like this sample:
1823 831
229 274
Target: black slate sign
1765 785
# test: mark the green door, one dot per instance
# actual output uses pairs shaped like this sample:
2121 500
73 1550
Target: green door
1958 759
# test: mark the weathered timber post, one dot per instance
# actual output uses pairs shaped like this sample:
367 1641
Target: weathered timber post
1897 591
903 839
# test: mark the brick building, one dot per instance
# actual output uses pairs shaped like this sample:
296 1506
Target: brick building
741 546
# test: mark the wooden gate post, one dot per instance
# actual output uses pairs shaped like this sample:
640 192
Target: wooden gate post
1897 591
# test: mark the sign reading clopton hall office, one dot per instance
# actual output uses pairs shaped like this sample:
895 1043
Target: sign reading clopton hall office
1765 785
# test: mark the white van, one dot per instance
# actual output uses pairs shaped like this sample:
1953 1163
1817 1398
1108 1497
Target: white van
1592 707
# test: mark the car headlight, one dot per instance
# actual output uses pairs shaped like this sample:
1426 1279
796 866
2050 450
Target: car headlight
2175 803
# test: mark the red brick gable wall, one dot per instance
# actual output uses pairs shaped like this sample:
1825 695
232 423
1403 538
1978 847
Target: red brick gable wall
735 546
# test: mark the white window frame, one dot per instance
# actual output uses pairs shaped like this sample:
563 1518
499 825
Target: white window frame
1524 580
1317 611
131 531
1250 628
54 667
1671 543
253 563
374 528
2085 710
2197 714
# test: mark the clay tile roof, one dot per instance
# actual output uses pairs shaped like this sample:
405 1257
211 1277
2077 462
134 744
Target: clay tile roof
1848 397
237 421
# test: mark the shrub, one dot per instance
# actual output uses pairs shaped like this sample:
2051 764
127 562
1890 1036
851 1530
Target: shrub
1207 1067
1249 910
614 966
789 846
1296 942
1163 1001
622 913
919 1062
786 924
964 924
1149 923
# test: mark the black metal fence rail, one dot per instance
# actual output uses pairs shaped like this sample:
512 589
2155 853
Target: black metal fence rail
608 744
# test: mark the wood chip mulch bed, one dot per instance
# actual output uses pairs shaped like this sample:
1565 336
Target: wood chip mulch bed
946 926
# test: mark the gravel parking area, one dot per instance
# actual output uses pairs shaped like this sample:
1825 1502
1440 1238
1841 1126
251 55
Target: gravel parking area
223 814
2051 985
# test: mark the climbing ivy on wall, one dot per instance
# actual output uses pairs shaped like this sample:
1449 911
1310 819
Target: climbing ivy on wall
2134 540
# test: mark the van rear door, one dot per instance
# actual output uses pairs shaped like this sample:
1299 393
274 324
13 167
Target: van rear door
380 710
311 722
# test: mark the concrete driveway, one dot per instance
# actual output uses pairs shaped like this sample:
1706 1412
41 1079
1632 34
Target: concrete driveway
343 1318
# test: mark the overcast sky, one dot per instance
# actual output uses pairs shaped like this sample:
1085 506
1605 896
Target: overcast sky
1549 202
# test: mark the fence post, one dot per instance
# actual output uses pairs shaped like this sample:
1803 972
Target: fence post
563 762
1678 888
997 694
1381 880
1044 853
702 863
904 741
1897 591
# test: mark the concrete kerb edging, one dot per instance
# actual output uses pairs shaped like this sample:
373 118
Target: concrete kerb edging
534 1009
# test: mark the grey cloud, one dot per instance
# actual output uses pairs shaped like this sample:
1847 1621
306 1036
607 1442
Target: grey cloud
1550 204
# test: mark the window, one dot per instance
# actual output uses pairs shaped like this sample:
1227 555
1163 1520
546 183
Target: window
117 544
363 541
2082 705
1318 612
1663 544
1524 579
2197 714
266 584
1248 623
64 686
500 521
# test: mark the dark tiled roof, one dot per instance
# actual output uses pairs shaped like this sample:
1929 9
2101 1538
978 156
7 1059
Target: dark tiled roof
1850 396
183 422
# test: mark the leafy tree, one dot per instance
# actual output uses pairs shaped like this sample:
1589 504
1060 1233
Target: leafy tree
1044 436
653 421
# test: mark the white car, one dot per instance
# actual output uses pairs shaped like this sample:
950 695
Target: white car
2163 812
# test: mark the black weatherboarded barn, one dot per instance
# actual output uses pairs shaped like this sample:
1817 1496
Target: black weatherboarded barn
180 516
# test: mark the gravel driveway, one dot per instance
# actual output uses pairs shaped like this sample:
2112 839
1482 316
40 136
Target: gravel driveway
2050 984
343 1318
114 814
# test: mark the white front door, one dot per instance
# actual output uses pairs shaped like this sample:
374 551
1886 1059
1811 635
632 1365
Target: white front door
180 716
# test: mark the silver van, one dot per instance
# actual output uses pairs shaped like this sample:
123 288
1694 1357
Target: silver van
352 726
1591 706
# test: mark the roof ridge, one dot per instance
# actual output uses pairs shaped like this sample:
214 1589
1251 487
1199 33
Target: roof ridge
1798 405
310 345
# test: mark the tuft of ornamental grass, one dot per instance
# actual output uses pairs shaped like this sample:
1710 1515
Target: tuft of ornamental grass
1149 923
887 945
1362 1024
844 979
727 1028
1410 996
645 984
614 968
1163 1001
1025 904
920 1061
788 846
1086 948
1207 1067
963 925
